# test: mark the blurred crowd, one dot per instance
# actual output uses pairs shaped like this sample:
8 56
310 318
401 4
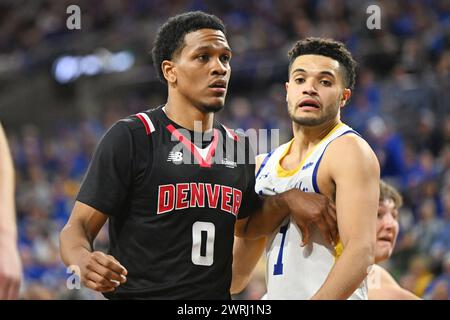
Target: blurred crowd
401 106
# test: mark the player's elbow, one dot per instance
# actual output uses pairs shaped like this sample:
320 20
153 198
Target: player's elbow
247 229
367 255
363 252
238 283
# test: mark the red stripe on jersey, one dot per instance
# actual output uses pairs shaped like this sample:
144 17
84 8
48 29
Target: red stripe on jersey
146 125
190 146
231 133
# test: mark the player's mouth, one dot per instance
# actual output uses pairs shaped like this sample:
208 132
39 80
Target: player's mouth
386 239
218 86
309 104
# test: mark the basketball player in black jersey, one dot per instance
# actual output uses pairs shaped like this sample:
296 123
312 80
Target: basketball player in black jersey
173 203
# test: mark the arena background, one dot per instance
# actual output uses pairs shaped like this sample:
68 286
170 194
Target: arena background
60 90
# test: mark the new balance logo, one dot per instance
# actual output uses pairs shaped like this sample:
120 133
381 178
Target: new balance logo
175 156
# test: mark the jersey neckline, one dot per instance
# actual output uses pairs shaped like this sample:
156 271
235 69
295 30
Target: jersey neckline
284 173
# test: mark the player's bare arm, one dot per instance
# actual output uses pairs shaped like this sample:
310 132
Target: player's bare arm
306 208
351 176
246 253
99 272
382 286
10 266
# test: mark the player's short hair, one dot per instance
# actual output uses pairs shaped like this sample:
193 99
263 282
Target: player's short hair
329 48
387 191
170 37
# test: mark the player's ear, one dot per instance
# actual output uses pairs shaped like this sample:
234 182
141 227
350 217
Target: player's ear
287 87
346 94
169 72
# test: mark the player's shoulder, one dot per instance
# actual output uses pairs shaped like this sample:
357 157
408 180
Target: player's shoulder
141 122
351 154
384 276
390 292
351 144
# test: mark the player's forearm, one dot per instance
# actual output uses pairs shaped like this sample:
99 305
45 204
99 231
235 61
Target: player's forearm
7 215
263 222
74 244
7 207
347 274
246 254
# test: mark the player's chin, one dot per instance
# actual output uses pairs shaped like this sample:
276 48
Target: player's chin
382 253
306 120
214 105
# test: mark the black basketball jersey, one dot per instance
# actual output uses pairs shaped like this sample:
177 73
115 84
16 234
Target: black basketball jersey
172 205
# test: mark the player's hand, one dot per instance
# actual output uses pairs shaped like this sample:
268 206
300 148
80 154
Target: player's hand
101 272
311 208
10 269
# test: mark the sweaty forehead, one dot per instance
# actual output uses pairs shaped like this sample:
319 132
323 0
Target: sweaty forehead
313 63
205 37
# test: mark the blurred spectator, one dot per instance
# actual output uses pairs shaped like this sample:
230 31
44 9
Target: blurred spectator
427 227
441 241
439 289
418 277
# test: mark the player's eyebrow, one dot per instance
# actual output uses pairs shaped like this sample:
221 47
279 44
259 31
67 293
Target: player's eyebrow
211 47
324 72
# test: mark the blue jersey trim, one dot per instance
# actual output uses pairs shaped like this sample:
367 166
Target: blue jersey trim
264 163
314 176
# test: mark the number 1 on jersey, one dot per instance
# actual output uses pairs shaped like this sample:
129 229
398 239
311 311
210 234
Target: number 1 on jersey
278 267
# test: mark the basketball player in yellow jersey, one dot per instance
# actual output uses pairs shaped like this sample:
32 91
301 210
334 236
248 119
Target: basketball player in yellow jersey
327 157
382 285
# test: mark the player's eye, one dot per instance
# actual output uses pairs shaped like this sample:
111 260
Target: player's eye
203 58
225 58
299 80
395 214
326 83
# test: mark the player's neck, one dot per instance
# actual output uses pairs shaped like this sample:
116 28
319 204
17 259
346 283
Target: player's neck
189 117
306 137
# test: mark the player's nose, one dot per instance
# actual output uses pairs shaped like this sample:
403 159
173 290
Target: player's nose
219 68
309 88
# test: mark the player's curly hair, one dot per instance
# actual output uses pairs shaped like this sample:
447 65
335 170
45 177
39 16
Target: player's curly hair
329 48
170 37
